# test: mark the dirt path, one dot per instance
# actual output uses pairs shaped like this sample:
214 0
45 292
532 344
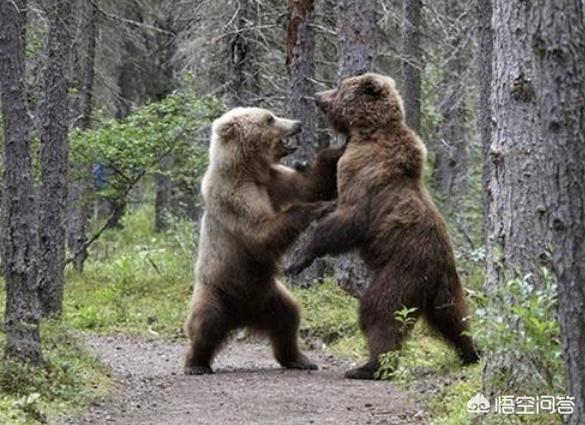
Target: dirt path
247 388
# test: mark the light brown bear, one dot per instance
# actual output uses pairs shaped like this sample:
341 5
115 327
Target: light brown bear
385 212
254 210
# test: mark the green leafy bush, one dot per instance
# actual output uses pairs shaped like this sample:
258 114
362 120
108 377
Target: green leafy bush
518 326
129 149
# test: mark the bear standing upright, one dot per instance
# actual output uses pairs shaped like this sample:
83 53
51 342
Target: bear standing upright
254 210
386 213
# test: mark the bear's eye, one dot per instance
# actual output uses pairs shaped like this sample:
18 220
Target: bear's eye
270 119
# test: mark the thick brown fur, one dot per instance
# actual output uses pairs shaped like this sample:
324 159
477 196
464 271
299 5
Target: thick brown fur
385 212
244 234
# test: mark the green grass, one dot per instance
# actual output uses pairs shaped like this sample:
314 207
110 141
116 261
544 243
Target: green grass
448 407
139 283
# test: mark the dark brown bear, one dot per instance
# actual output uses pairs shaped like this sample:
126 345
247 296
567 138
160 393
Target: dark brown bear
254 210
385 212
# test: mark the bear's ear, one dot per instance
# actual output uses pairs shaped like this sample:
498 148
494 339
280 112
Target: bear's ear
228 130
371 87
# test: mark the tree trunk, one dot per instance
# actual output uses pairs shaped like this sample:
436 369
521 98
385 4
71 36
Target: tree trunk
412 65
164 185
451 167
129 72
80 186
356 32
484 18
518 238
54 160
242 76
301 70
558 37
356 35
19 236
163 198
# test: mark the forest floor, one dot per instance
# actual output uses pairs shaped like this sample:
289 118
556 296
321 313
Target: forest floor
137 286
248 388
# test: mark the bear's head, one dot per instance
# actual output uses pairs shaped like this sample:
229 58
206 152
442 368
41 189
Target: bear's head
248 133
367 102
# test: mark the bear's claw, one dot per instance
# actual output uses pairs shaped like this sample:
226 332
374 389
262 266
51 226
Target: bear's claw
304 364
298 267
360 373
198 370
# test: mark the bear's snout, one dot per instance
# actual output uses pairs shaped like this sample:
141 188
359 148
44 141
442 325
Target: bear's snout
323 99
295 128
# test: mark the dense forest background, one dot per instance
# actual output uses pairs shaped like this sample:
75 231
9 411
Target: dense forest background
106 110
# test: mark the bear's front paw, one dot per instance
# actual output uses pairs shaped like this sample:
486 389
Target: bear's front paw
198 370
323 208
300 166
298 266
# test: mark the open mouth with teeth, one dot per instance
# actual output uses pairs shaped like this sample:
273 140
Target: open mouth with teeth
289 145
285 147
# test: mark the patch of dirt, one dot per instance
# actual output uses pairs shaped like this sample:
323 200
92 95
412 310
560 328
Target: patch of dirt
248 388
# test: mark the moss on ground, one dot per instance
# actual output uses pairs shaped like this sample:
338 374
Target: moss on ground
71 379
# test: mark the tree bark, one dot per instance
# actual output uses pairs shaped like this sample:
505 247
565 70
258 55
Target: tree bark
451 167
19 236
54 160
517 243
485 42
163 198
163 182
558 39
412 62
242 76
301 70
80 186
356 35
300 105
356 31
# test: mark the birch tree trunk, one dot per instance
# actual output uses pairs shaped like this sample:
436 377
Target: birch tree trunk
356 32
518 238
412 62
54 160
19 235
558 39
451 168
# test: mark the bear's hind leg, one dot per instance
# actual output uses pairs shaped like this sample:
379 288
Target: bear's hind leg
207 330
448 315
384 333
383 336
281 320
